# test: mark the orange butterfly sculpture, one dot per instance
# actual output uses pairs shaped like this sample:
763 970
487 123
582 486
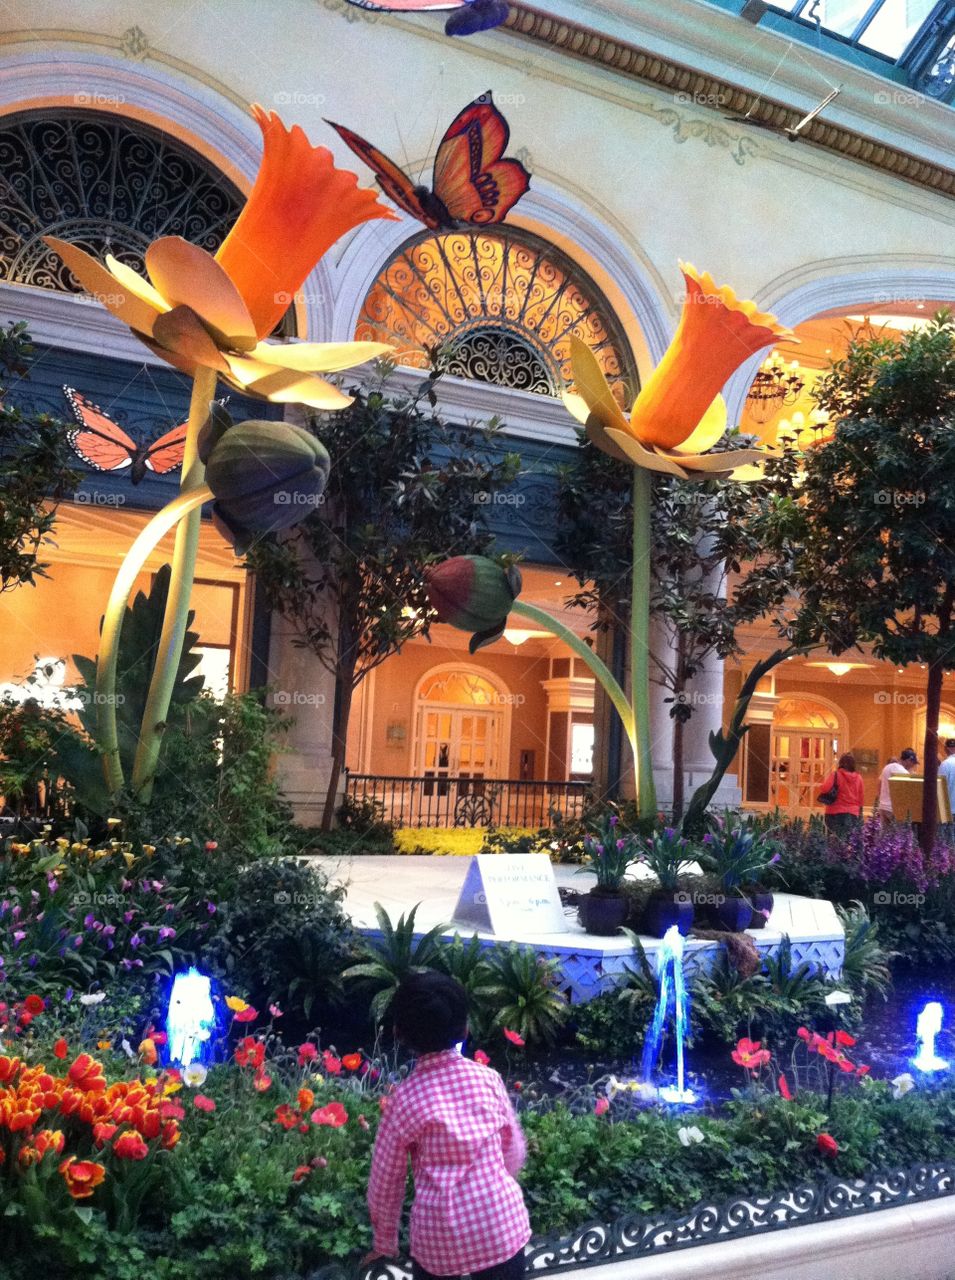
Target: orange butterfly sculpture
471 182
104 445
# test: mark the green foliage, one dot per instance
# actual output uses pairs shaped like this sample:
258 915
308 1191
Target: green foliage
467 962
350 578
365 816
523 991
142 624
285 939
388 961
36 469
610 1029
865 967
736 851
33 738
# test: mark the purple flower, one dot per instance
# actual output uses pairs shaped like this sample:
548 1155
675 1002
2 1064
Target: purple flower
89 921
108 930
32 962
211 908
68 994
165 933
127 916
614 819
135 941
52 885
78 941
621 845
18 936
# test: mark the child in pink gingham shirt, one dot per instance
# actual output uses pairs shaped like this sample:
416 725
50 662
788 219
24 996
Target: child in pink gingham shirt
454 1119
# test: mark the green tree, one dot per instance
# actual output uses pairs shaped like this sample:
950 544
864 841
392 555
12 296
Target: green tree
406 489
874 524
706 542
35 471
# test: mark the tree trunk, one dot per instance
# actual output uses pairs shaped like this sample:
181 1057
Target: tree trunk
678 777
933 704
344 690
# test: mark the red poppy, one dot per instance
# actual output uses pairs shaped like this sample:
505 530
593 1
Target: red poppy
285 1116
332 1064
250 1052
211 846
750 1054
248 1014
863 1070
784 1089
333 1114
171 1111
202 1103
351 1061
34 1005
513 1037
601 1107
301 1173
262 1081
61 1048
306 1053
843 1038
481 1056
827 1145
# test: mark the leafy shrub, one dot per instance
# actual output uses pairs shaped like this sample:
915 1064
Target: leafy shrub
611 1028
387 962
523 991
364 816
285 938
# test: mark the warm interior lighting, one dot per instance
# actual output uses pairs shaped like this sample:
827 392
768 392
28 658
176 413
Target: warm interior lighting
840 668
902 323
517 635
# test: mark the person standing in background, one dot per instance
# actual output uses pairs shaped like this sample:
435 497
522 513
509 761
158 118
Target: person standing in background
844 794
906 762
946 770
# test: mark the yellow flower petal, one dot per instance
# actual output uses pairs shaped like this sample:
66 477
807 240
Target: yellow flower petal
187 276
649 458
723 462
593 387
287 385
576 406
104 287
712 428
318 357
135 283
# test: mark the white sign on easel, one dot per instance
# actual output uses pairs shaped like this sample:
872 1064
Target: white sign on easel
511 895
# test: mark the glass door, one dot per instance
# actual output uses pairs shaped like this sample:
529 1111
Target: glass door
801 761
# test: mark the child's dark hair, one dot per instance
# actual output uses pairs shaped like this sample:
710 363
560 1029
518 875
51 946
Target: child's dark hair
430 1012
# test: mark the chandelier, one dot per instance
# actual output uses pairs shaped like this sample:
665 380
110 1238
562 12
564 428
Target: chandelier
777 383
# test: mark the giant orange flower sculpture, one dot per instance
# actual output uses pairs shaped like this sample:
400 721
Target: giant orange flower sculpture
679 414
199 311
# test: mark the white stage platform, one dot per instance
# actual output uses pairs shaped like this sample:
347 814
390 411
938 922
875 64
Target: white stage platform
589 964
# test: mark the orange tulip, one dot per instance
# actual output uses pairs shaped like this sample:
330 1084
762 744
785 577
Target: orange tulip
87 1074
130 1146
199 311
679 414
82 1176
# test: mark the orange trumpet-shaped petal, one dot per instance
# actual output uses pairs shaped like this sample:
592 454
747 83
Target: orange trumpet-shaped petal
716 334
300 205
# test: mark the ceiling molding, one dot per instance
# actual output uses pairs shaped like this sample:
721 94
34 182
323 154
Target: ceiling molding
722 96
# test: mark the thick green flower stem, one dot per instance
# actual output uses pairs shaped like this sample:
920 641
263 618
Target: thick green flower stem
601 671
181 579
108 655
640 641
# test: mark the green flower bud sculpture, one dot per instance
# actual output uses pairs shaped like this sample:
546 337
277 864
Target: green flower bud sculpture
474 594
264 476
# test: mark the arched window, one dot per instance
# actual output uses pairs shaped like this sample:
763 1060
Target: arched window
106 183
501 305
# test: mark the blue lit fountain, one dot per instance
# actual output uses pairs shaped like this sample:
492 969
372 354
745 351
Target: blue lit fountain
672 993
927 1027
191 1018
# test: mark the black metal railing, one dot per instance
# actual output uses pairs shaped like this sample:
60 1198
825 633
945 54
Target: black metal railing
460 801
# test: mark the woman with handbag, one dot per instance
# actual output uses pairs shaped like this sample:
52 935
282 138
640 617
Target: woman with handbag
843 795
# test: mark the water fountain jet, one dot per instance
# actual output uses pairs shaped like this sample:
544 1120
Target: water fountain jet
672 992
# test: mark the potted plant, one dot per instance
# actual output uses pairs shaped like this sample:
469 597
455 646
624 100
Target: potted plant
666 853
736 852
608 853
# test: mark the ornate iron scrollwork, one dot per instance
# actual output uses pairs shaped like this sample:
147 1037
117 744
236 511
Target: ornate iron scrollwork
108 184
500 305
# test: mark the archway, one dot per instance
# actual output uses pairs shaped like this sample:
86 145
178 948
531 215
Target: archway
461 728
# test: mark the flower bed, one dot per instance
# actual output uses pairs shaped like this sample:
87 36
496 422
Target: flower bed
258 1166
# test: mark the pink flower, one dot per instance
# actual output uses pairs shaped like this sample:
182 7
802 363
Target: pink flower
513 1037
784 1089
333 1114
306 1053
203 1103
481 1056
601 1107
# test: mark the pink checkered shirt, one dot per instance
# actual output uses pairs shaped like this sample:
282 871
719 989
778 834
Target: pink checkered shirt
455 1120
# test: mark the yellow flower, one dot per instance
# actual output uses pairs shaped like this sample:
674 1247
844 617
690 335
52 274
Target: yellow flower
318 1079
149 848
236 1004
104 1044
61 843
199 311
130 859
114 822
679 414
18 847
77 847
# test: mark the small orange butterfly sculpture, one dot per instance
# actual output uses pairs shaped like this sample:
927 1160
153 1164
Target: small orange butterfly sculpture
471 182
104 445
